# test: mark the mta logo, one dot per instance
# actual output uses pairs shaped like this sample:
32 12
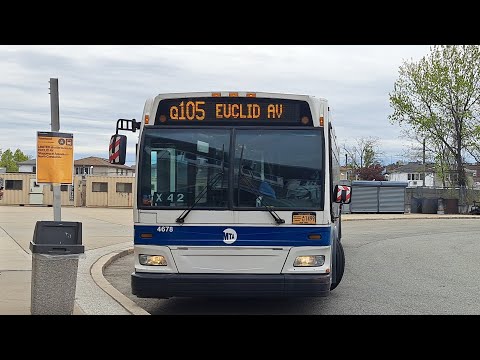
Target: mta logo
229 236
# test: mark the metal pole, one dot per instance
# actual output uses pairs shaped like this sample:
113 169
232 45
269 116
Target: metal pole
55 126
424 166
346 168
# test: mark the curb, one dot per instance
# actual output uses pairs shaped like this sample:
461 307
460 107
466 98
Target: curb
96 271
413 218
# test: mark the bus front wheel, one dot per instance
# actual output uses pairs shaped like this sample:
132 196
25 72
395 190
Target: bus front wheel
339 264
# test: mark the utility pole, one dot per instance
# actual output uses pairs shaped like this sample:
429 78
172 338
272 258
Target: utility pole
346 168
424 166
55 126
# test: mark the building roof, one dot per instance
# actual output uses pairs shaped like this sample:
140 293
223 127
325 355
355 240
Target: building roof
96 161
28 162
414 167
429 168
472 166
88 161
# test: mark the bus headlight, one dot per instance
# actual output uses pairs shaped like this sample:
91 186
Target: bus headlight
152 260
309 260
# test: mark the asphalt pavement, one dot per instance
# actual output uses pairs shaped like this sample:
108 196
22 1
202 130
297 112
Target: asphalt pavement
107 236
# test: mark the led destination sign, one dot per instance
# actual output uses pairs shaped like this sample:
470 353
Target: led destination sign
233 111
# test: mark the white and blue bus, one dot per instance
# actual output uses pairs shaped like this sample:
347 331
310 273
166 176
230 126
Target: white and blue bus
237 194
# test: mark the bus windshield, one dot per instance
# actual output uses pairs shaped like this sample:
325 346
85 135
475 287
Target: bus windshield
278 168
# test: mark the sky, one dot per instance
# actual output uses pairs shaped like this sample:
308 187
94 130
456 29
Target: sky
99 84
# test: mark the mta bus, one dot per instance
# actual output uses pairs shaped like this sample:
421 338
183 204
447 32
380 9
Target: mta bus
237 194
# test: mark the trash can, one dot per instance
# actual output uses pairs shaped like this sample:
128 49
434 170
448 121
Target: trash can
451 206
440 207
416 206
429 206
56 247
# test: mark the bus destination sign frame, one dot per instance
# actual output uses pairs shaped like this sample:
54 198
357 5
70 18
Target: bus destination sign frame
233 111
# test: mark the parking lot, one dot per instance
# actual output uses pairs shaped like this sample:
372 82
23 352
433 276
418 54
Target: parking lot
402 265
396 264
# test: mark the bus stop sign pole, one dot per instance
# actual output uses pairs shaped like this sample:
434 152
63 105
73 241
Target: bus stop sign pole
55 126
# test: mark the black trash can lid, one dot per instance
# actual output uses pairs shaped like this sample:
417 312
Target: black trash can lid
57 237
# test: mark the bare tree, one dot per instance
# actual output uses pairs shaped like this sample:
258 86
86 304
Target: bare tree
364 152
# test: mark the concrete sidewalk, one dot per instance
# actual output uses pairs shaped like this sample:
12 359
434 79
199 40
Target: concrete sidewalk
15 277
350 217
107 233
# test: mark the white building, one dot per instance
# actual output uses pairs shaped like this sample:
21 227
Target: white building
417 174
28 166
93 165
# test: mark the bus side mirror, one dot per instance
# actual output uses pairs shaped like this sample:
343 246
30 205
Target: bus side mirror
117 149
342 194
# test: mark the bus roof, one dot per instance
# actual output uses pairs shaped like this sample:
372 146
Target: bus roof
273 95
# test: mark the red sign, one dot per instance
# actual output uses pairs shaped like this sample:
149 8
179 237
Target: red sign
341 188
114 149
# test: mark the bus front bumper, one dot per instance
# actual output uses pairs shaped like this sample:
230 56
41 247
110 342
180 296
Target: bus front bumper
148 285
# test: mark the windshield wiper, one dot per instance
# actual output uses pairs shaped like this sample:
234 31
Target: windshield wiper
210 184
268 207
259 195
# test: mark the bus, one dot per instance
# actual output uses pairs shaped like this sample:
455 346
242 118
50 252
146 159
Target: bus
237 194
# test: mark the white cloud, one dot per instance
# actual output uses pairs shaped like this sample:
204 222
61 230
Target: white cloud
99 84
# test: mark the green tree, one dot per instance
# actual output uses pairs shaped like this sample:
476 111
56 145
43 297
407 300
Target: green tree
9 160
19 156
438 98
369 156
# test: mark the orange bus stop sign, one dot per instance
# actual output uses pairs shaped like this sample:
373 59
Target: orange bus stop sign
54 157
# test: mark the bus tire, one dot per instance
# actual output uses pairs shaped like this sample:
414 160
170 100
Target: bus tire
339 264
340 226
